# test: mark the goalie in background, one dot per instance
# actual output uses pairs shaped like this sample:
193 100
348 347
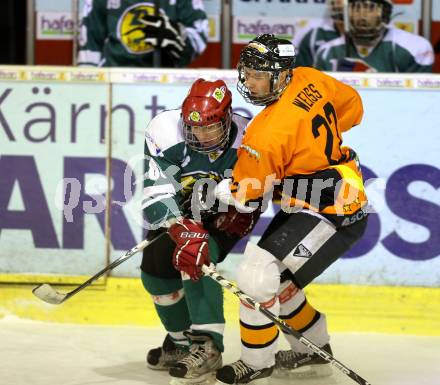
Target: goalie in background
372 45
125 33
182 146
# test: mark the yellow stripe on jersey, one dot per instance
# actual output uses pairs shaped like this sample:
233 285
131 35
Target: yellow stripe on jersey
302 318
260 336
350 176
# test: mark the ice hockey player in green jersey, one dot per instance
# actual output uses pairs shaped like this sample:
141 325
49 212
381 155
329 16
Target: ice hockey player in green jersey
125 33
183 148
372 45
318 31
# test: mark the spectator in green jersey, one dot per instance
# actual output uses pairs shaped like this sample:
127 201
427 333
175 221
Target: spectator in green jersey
125 33
372 45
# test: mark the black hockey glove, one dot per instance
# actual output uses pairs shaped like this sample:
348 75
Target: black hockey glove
163 33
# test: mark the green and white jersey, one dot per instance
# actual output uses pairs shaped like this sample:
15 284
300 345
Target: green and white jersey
172 168
398 51
110 34
309 39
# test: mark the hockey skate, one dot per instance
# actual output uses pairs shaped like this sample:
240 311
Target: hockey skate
199 366
240 373
301 365
162 358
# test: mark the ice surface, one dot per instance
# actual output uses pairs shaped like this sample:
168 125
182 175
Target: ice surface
38 353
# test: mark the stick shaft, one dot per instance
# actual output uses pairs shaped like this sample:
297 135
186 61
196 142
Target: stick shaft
211 272
139 247
63 297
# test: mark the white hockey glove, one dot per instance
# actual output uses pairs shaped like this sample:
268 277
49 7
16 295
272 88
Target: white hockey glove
161 32
222 192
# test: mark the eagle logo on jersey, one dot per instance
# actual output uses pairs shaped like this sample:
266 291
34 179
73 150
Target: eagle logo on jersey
187 181
213 156
195 116
130 28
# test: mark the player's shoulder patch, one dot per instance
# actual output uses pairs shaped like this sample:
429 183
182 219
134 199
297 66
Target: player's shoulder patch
253 153
164 131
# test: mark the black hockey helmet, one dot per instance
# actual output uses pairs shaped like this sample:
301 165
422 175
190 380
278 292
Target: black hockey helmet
269 54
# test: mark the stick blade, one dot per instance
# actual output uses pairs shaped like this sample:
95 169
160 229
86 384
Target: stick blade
48 294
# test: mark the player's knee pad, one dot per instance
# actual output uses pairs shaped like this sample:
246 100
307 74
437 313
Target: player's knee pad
258 274
168 299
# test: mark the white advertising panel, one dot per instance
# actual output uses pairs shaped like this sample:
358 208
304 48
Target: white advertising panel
247 27
53 177
55 26
436 11
52 126
310 8
54 6
287 17
284 8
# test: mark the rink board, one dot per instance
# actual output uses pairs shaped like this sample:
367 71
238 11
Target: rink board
63 158
54 129
349 308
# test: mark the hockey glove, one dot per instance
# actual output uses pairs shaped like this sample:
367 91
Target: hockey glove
163 33
191 251
236 223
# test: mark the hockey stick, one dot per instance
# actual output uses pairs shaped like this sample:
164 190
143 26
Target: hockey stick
48 294
211 272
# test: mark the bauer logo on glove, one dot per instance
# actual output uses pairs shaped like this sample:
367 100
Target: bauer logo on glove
186 234
191 251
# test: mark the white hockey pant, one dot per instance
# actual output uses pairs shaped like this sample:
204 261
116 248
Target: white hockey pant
259 277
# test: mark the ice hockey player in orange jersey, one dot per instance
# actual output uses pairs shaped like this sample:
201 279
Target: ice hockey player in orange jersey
292 152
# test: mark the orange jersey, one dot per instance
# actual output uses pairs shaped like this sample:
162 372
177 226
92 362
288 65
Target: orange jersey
299 139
